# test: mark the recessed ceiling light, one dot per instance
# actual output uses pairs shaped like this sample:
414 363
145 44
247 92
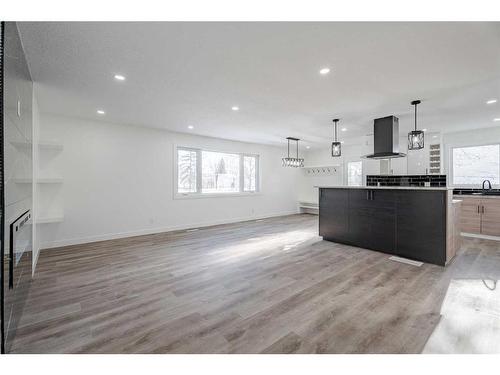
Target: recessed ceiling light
342 142
190 127
119 77
308 147
434 136
496 119
100 112
324 71
344 129
235 108
424 130
491 101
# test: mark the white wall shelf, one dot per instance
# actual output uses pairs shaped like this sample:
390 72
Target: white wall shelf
43 180
50 219
49 146
309 207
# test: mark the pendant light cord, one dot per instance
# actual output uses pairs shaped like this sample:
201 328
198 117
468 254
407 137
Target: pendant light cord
297 149
335 130
416 116
288 148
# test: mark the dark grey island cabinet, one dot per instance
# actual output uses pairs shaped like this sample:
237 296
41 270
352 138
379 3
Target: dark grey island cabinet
411 223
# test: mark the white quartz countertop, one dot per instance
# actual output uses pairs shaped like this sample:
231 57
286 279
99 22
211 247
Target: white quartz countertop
478 196
385 187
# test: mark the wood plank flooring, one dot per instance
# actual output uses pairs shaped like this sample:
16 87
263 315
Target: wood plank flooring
270 286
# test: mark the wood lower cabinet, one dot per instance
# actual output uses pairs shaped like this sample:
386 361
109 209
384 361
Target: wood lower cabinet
470 218
490 216
480 215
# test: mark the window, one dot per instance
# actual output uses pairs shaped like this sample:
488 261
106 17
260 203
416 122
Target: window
202 172
249 173
355 173
220 172
473 165
186 166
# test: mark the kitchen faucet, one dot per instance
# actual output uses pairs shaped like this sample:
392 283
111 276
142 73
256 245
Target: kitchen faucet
489 184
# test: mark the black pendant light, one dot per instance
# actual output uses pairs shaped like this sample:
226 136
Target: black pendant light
336 145
295 162
415 137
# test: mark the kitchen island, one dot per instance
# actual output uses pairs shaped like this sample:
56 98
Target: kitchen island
418 223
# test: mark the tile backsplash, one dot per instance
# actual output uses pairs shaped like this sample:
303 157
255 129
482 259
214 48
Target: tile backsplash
435 180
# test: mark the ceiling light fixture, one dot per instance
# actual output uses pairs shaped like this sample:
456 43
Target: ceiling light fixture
190 127
424 130
324 71
336 145
235 108
100 112
496 119
416 137
308 147
119 77
491 101
295 162
344 129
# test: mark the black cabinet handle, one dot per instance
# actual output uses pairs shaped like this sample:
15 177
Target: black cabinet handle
477 209
483 209
368 195
373 195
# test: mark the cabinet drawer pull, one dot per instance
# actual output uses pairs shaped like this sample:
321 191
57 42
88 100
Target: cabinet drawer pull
478 209
483 210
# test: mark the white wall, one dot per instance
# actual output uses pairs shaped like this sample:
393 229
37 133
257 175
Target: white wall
322 157
118 182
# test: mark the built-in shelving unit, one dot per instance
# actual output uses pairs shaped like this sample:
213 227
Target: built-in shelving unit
50 208
435 158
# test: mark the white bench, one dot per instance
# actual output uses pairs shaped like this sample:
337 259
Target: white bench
309 208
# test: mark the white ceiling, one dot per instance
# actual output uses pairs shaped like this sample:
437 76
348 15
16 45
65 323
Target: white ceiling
181 74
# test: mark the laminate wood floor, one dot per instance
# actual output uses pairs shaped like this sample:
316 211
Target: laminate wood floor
270 286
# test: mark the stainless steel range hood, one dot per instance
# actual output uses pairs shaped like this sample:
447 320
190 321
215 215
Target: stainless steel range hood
385 139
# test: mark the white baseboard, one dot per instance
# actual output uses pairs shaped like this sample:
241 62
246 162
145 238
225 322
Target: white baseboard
481 236
142 232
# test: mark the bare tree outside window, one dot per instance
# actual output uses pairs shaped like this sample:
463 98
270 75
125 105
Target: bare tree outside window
186 167
220 172
249 173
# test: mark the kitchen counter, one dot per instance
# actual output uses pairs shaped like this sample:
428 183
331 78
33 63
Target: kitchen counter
411 222
477 196
385 187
